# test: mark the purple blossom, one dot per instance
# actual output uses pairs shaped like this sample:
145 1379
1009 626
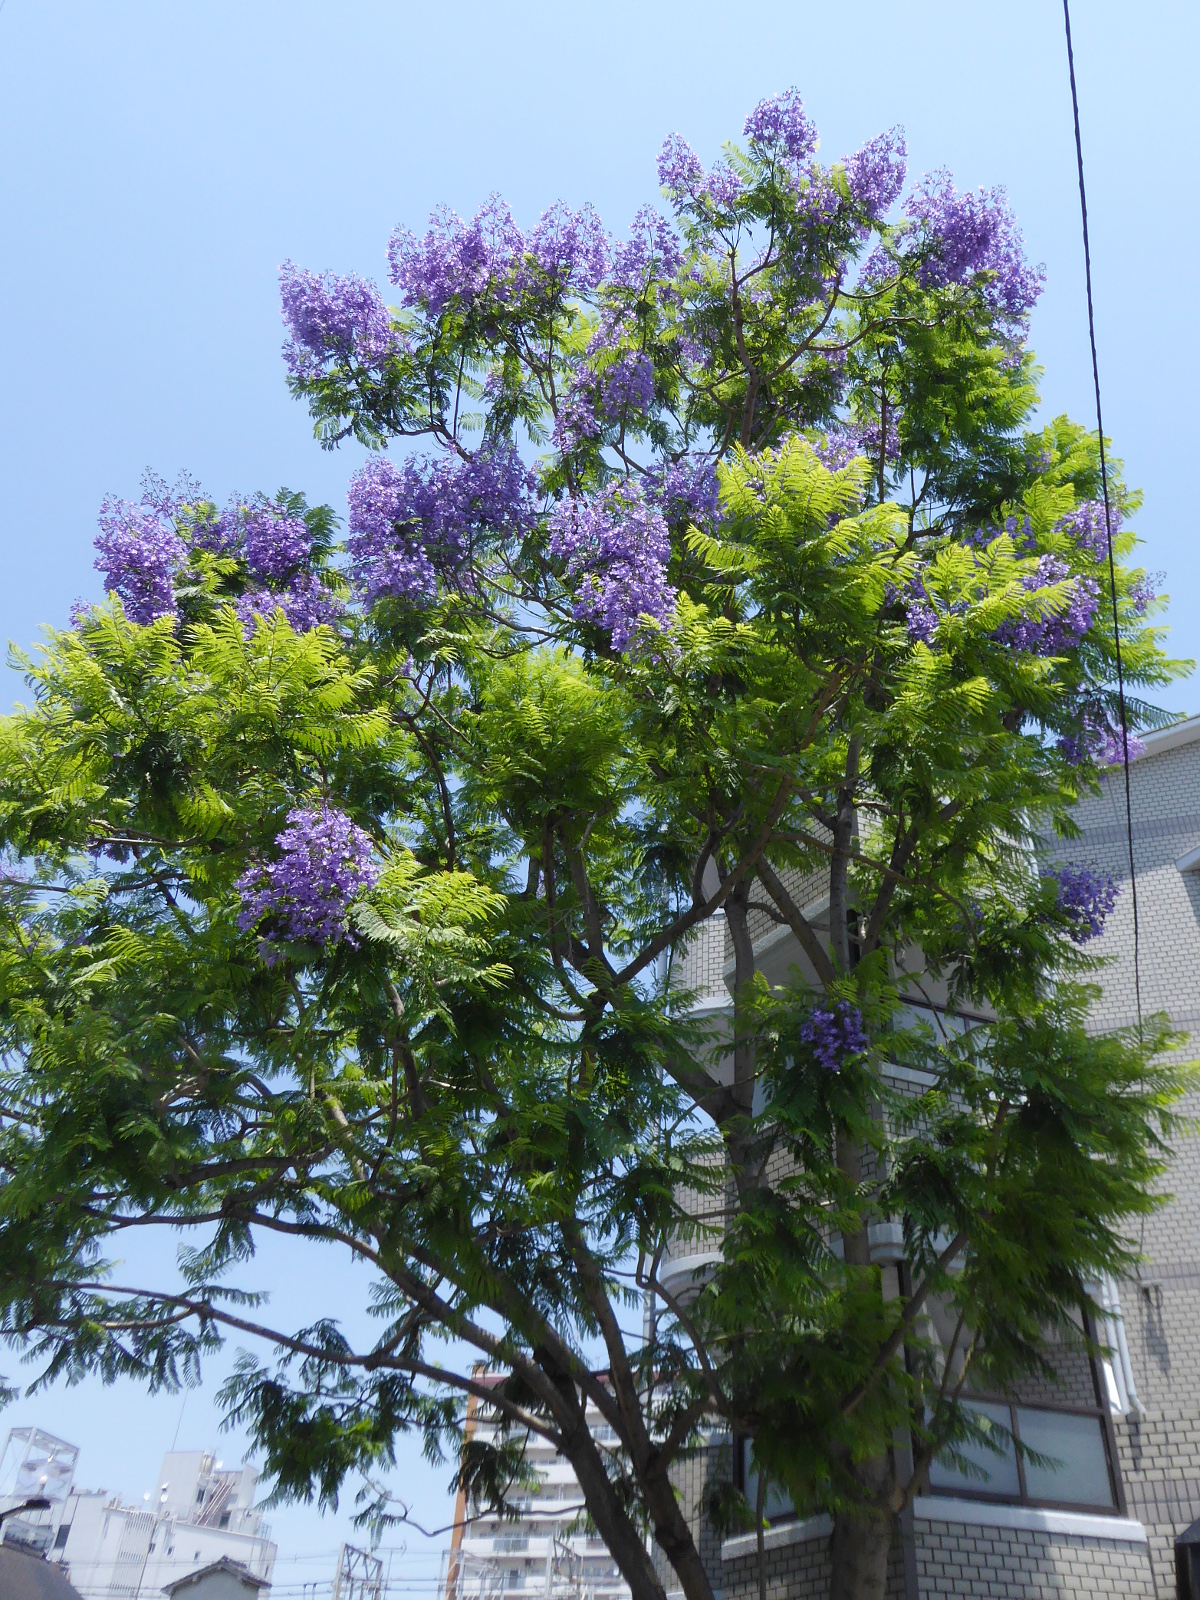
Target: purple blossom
840 446
332 318
566 253
455 259
569 250
139 551
722 186
679 169
629 382
687 491
412 522
972 233
576 419
1142 592
305 602
1052 635
274 544
651 251
834 1033
875 174
1085 898
1086 526
1098 742
846 440
781 124
324 864
921 619
616 548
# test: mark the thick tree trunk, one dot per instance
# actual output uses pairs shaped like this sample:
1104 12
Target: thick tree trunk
860 1556
614 1524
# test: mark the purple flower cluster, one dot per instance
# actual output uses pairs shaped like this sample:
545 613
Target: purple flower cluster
565 249
1085 898
846 440
875 174
325 863
1046 635
1086 526
332 318
921 619
412 522
687 491
565 253
651 251
576 420
834 1033
683 177
679 167
975 233
1100 743
629 382
781 125
305 602
840 446
616 548
139 551
273 543
1142 593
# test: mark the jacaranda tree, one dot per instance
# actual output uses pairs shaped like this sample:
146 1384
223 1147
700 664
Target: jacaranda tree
349 879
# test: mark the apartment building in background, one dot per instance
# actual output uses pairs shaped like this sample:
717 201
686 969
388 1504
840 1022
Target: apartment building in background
545 1551
201 1515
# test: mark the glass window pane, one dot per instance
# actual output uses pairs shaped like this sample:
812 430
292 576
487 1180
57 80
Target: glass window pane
776 1503
1077 1444
996 1470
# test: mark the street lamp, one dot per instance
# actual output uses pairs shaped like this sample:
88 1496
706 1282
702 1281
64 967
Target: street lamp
38 1503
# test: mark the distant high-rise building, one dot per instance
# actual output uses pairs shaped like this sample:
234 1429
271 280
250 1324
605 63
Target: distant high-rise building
546 1551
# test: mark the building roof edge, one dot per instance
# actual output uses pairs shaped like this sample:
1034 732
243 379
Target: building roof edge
1186 731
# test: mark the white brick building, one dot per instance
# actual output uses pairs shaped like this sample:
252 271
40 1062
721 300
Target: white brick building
1129 1431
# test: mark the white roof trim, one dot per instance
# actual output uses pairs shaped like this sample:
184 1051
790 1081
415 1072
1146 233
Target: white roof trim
1185 732
1190 861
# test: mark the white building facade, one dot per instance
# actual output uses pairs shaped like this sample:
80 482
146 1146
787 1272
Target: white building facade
1128 1430
545 1551
199 1512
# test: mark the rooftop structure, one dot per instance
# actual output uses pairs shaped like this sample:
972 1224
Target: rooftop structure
202 1513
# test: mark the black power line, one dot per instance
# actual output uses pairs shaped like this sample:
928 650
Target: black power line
1112 569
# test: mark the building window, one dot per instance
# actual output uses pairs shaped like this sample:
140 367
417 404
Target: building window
1075 1470
777 1504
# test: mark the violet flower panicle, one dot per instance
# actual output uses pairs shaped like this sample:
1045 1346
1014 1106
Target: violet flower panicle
834 1033
331 318
412 523
615 549
325 863
139 552
1084 898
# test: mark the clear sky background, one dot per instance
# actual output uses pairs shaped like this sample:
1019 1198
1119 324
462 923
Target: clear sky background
159 160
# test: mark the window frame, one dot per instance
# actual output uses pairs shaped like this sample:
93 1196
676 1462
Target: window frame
1116 1507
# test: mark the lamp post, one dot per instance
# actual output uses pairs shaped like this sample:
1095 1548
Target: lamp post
38 1503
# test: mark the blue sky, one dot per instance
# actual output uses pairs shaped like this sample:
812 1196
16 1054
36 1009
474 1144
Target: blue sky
160 161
